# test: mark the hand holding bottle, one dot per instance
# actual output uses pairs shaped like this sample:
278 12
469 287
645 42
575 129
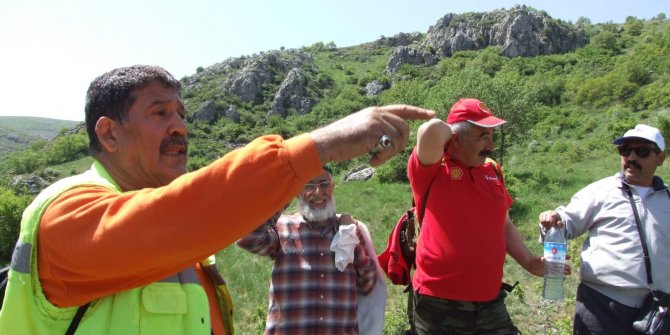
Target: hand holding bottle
550 219
555 251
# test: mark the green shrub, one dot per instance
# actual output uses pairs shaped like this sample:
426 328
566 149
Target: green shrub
633 26
67 148
22 162
11 209
412 92
323 80
394 170
617 128
605 40
560 146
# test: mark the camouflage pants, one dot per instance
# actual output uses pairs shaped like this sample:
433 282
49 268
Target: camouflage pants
440 316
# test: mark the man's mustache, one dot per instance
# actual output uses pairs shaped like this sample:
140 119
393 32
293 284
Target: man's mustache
174 140
632 164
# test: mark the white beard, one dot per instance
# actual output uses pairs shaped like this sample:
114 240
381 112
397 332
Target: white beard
316 214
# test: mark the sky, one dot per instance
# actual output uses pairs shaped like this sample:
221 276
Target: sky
50 51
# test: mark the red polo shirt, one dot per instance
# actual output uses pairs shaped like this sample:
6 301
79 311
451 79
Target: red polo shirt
461 248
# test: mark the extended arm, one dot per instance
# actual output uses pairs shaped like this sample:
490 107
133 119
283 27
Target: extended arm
94 242
358 133
263 241
579 215
518 250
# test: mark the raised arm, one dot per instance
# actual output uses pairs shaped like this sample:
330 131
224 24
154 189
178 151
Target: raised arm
431 139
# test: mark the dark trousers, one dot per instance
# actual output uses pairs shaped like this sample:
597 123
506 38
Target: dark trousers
596 314
433 316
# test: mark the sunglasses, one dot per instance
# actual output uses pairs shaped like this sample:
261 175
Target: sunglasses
324 186
642 152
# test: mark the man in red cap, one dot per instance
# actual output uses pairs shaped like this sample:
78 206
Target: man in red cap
466 230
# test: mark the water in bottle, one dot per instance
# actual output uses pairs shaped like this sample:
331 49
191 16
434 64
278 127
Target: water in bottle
554 254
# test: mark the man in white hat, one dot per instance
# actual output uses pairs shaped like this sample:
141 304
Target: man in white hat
613 274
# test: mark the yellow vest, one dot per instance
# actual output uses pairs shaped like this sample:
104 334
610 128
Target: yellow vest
175 305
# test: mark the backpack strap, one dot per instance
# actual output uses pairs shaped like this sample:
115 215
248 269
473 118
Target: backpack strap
423 205
509 288
496 168
425 200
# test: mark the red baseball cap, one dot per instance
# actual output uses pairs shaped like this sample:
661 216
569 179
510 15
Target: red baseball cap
473 111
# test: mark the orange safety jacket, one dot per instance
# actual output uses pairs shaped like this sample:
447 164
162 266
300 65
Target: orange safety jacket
94 243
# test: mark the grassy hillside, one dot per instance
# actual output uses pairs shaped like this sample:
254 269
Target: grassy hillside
12 140
16 132
36 126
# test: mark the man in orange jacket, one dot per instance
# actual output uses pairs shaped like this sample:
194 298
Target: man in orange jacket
137 221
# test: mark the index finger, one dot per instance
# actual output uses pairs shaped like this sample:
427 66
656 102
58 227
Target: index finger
409 112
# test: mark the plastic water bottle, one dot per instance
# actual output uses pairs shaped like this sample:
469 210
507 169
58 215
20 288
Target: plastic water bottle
554 254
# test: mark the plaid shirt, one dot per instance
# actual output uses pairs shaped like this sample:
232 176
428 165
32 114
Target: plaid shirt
308 294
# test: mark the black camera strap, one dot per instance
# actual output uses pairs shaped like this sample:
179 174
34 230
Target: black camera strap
77 318
647 260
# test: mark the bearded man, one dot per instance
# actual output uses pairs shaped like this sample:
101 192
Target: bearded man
311 290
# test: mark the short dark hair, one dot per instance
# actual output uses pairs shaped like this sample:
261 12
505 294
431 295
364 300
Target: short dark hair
113 93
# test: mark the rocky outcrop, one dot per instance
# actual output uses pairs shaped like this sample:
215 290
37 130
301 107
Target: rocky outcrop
287 80
408 55
292 94
15 138
207 111
359 173
248 82
233 114
518 32
224 68
374 88
30 184
280 76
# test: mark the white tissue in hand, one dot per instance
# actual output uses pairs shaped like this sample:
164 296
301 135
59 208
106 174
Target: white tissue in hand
343 245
